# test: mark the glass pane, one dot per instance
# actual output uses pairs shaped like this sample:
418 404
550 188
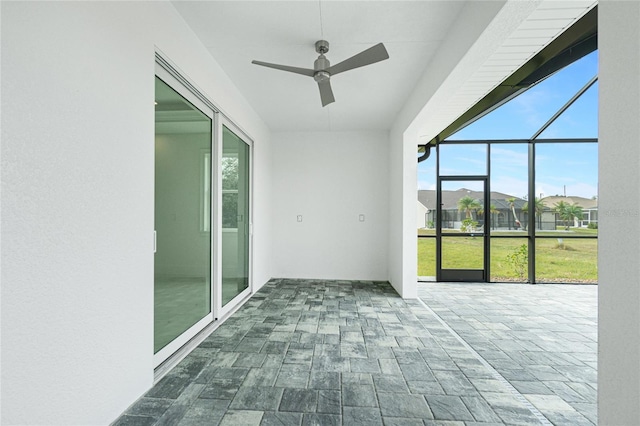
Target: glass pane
567 181
509 260
463 160
235 215
524 115
426 257
427 195
509 187
567 260
463 253
462 207
182 266
580 120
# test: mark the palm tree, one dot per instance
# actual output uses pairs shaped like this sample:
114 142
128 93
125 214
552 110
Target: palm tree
468 205
567 212
538 207
512 205
572 212
560 208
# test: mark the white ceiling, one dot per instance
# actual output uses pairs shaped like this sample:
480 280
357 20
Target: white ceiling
236 32
415 34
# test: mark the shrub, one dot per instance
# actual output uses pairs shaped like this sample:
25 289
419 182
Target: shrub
518 260
468 225
592 225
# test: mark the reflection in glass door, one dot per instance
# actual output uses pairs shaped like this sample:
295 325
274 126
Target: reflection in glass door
235 215
462 231
182 266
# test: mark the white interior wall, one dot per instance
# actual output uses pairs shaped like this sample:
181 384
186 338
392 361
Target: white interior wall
77 200
330 179
262 253
619 214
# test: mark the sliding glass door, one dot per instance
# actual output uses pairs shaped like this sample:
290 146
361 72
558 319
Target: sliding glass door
202 214
235 206
182 266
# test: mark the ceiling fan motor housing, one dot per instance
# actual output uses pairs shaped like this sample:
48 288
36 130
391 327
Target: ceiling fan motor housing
321 64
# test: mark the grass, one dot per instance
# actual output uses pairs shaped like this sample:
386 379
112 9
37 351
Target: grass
575 260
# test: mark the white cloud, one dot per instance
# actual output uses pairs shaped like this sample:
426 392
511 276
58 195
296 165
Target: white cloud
422 185
579 189
510 186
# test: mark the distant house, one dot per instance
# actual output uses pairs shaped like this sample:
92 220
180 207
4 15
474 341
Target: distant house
502 216
422 216
589 208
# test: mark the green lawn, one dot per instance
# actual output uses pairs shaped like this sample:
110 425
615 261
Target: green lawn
573 261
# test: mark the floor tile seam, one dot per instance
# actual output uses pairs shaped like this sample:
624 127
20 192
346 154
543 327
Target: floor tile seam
501 379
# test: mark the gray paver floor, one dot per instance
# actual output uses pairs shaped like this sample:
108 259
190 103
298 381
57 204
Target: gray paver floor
542 339
316 352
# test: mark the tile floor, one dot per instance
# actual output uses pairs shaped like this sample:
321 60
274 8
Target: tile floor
542 339
313 352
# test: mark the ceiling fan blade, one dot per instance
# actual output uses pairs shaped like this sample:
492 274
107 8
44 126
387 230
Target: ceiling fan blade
303 71
326 94
372 55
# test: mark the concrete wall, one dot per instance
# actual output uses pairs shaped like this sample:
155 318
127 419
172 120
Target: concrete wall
619 215
330 179
78 204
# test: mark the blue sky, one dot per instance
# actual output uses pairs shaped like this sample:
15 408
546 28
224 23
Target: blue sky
558 166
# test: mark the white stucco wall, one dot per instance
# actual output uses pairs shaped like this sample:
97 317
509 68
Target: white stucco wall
619 214
330 179
77 200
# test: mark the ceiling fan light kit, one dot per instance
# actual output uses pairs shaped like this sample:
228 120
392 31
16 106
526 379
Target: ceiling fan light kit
322 69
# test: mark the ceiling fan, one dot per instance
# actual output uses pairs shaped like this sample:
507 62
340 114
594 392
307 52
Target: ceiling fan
322 69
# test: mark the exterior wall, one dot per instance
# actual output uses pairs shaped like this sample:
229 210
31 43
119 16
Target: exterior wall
330 179
619 210
77 200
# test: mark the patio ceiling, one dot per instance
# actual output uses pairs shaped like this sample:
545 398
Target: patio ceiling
459 52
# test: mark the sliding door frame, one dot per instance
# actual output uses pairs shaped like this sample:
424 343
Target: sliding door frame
173 77
240 297
165 352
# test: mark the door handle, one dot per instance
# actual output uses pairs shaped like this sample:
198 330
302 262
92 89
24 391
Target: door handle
155 241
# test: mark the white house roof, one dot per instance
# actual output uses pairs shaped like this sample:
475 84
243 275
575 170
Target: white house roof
585 203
